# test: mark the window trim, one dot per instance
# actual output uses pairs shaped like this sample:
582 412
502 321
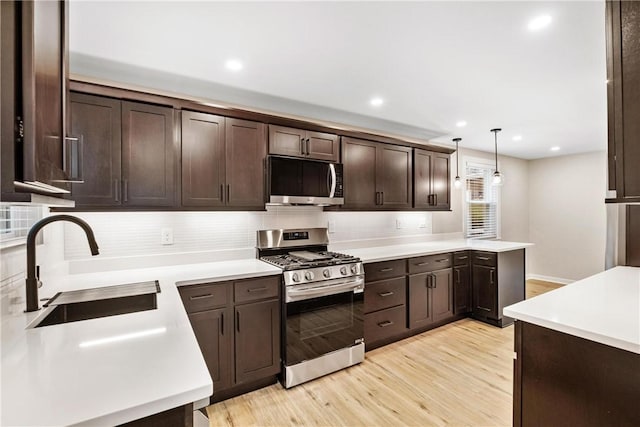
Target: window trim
466 160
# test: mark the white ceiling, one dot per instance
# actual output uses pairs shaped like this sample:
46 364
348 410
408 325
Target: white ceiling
433 63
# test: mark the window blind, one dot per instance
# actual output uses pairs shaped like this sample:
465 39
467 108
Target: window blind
481 201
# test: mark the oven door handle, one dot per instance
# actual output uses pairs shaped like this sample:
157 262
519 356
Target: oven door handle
355 286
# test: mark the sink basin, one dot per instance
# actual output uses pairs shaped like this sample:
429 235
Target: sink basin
93 303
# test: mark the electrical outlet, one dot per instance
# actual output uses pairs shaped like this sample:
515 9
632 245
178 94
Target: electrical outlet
400 224
331 225
422 225
166 236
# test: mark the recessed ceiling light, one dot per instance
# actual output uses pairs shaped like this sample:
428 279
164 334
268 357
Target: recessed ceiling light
461 123
539 22
517 138
556 148
233 65
377 101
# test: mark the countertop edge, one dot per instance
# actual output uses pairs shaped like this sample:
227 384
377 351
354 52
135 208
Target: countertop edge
228 277
577 332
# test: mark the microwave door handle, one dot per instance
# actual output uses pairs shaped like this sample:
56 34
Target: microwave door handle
332 179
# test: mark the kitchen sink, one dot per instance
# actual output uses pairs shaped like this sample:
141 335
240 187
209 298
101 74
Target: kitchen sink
93 303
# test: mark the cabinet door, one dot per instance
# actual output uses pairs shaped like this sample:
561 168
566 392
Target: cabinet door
203 159
359 163
213 330
623 71
257 340
322 146
462 289
422 179
44 91
420 307
97 120
394 176
440 182
286 141
246 150
485 291
148 155
442 294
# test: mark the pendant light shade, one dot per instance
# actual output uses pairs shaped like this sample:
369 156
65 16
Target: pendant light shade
457 183
497 176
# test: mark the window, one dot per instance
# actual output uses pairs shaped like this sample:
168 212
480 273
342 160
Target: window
15 222
481 202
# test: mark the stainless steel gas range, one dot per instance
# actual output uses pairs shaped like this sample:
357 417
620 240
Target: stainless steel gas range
322 313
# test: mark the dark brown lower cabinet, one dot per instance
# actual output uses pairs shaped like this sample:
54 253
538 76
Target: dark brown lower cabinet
385 309
462 292
216 347
257 340
430 298
237 325
498 280
564 380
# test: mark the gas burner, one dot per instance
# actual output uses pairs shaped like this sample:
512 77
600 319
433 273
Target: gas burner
298 260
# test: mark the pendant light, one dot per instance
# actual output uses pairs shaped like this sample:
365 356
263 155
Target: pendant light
457 183
497 176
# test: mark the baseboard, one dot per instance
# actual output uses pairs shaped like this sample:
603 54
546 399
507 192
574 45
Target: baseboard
551 279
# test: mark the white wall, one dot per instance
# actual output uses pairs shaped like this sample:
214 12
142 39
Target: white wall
567 216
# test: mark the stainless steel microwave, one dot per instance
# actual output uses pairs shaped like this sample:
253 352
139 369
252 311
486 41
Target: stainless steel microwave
304 182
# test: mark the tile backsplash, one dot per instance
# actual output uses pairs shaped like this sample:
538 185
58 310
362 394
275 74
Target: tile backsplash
127 234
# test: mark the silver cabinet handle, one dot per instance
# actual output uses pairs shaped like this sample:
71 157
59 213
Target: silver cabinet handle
228 191
384 270
483 258
385 294
126 190
423 263
262 289
221 323
385 323
442 260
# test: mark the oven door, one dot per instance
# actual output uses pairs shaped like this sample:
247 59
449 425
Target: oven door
320 322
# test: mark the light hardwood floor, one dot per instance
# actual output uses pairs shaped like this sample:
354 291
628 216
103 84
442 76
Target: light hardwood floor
458 374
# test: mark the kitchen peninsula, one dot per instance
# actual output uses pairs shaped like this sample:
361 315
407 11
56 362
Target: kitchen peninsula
578 353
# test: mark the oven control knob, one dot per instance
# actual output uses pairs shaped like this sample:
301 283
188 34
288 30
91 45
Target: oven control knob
308 275
295 277
343 271
326 273
354 268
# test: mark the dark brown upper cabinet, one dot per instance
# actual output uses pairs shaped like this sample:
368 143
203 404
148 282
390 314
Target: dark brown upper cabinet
203 160
130 153
34 96
222 161
623 98
149 155
98 120
376 175
431 183
293 142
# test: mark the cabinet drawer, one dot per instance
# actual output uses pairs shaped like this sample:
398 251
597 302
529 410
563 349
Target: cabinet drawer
461 258
484 258
205 297
429 263
384 270
384 324
384 294
256 289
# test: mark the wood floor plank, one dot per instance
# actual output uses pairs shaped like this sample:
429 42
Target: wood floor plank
458 374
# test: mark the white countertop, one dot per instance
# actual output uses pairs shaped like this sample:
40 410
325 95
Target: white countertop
48 378
604 308
386 253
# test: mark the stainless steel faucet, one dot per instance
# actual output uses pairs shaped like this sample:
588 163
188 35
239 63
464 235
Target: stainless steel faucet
33 274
